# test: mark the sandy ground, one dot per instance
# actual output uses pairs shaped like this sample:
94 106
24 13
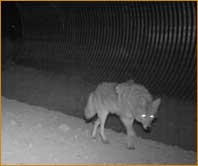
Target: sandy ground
33 134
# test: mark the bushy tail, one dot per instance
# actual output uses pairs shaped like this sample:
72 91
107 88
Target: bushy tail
90 109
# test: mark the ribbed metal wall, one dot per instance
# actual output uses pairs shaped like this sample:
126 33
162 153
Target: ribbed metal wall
154 43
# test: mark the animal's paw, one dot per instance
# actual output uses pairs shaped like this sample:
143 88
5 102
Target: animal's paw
93 136
131 147
105 141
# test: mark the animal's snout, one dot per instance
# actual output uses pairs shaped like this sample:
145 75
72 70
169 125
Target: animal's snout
148 129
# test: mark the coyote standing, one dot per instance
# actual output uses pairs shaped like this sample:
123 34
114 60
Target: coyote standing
130 101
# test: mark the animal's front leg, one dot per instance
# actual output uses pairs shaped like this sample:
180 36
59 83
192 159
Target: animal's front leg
96 124
128 122
103 117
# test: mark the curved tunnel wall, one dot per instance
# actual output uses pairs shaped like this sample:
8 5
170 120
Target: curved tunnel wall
154 43
11 32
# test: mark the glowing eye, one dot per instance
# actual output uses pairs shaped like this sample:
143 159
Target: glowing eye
143 115
151 116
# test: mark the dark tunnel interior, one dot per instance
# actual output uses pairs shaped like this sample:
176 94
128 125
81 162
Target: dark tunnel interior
153 43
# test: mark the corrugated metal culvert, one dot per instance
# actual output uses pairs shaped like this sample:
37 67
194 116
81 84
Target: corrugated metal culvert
151 42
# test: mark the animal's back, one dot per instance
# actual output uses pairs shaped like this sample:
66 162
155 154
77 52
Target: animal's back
139 91
105 97
135 97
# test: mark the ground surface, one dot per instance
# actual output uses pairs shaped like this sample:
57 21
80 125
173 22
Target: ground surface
34 134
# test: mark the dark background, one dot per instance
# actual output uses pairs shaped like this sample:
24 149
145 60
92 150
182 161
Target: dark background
153 43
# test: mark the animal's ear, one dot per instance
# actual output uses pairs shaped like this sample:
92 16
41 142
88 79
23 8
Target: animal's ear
156 104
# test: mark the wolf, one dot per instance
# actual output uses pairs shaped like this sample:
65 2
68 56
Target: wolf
129 100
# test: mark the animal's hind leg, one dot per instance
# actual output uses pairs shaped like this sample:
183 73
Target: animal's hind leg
103 117
96 124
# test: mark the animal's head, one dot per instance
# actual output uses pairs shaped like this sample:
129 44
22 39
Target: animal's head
147 114
139 100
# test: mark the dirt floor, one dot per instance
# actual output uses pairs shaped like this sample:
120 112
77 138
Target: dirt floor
36 135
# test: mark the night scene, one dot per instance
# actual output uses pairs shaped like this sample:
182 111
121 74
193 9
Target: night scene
99 82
